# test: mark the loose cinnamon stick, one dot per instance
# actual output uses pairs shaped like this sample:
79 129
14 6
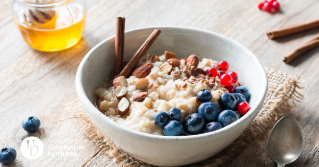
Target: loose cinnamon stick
309 45
119 45
140 53
293 29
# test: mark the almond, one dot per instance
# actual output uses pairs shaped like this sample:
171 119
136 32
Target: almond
98 104
143 70
193 60
121 80
154 58
139 97
123 107
141 84
166 68
174 62
169 55
120 92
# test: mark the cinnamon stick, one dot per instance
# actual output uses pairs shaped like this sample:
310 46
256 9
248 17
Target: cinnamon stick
119 45
295 53
293 29
140 53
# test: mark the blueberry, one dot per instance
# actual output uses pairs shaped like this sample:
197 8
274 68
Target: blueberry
227 117
238 114
212 126
175 114
193 123
209 111
173 128
31 124
243 90
7 155
227 101
161 118
204 95
239 97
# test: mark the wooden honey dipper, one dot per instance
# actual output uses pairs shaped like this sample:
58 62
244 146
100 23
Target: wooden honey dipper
38 17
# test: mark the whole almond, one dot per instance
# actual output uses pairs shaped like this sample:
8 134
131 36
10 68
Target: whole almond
123 106
154 58
174 62
193 60
139 97
121 80
141 84
143 70
169 55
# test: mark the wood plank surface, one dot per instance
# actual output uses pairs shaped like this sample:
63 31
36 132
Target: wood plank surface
42 84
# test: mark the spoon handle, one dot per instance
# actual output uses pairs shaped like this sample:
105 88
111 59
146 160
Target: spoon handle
280 165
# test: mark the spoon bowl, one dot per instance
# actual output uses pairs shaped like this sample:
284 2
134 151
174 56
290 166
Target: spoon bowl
285 141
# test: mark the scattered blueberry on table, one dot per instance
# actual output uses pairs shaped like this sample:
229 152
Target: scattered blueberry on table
161 119
31 124
175 114
7 155
173 128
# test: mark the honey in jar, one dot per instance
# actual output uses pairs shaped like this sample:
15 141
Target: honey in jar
50 25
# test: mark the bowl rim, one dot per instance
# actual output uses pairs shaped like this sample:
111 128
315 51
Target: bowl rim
91 108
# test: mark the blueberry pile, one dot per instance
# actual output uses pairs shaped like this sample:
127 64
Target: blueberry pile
208 118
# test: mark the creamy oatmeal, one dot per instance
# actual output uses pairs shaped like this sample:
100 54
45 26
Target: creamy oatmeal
169 84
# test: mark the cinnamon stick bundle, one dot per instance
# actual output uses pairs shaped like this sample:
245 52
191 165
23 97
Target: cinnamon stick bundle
304 48
119 45
140 53
293 29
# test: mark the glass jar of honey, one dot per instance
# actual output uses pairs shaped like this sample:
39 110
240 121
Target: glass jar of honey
50 25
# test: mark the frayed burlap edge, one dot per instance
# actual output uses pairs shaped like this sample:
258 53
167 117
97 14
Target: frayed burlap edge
281 97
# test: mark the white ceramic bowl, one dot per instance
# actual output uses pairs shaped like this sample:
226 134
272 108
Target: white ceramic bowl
169 150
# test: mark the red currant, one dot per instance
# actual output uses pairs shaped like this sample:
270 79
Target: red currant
226 80
212 72
223 66
220 73
267 7
261 5
230 89
234 75
276 5
243 107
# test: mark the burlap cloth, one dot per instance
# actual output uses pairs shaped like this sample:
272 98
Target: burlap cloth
281 97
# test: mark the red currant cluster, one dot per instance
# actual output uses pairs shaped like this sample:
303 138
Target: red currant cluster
226 79
269 6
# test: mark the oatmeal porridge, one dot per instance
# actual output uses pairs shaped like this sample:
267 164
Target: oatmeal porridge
160 83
